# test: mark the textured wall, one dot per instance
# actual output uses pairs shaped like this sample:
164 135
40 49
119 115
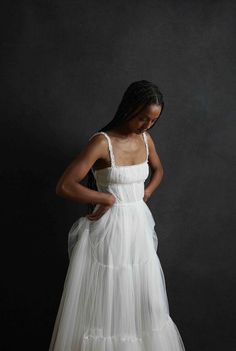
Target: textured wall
65 67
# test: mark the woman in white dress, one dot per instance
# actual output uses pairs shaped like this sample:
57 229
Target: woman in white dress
114 296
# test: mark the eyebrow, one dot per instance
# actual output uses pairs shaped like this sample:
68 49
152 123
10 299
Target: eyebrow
148 116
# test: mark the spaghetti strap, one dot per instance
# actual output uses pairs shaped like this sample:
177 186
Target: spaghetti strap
113 257
112 158
146 144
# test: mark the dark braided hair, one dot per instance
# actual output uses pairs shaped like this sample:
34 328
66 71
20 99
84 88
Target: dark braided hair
138 94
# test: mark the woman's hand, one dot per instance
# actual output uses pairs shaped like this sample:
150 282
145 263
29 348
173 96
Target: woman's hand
147 194
102 209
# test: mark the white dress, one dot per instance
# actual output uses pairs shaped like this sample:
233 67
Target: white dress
114 296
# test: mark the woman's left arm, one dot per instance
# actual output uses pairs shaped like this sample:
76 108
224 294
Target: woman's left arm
156 169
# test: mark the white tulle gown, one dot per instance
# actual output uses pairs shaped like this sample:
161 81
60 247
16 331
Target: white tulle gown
114 296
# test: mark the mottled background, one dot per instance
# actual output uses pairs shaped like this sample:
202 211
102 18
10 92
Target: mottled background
65 66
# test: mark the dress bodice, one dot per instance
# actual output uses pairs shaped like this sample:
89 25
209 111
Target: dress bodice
126 183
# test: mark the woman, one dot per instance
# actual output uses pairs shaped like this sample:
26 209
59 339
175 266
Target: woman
114 296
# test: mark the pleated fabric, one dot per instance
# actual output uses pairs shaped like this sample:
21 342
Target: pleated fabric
114 296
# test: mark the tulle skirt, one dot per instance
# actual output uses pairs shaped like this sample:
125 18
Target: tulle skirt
114 296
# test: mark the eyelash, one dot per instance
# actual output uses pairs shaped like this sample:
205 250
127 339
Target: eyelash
143 119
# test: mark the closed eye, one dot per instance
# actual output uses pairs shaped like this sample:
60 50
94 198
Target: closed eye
145 119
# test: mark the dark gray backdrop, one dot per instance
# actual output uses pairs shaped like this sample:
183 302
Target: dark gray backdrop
65 67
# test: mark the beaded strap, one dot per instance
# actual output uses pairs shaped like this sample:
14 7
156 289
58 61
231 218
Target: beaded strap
109 146
146 144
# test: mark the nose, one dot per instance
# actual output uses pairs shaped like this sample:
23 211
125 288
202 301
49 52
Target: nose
147 126
150 124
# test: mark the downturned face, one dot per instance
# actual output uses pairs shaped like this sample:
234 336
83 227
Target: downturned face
144 119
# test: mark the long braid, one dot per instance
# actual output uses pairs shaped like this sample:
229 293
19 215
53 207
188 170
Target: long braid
137 96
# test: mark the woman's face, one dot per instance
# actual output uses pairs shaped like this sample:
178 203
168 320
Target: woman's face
144 119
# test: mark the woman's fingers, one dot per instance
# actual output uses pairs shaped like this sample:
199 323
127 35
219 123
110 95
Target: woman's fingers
94 218
96 215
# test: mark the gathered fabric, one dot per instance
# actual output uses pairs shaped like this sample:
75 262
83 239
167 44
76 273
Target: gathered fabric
114 296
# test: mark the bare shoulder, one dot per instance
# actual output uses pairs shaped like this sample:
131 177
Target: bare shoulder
99 143
98 139
154 160
150 141
96 148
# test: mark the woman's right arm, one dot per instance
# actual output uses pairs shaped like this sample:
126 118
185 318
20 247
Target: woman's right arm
69 185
